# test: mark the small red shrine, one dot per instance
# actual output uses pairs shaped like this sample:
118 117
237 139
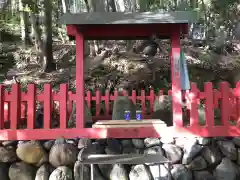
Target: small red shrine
119 25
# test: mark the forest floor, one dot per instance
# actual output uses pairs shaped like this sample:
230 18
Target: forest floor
128 69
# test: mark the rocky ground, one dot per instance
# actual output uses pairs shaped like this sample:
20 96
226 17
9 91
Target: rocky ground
195 158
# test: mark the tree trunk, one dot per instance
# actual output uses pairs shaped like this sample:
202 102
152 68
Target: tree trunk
36 33
48 64
24 24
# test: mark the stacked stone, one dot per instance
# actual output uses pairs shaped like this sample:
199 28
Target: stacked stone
192 159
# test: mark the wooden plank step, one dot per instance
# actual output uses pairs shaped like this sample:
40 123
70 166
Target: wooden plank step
143 121
129 124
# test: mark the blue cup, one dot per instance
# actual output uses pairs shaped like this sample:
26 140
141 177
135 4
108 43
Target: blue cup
127 115
139 115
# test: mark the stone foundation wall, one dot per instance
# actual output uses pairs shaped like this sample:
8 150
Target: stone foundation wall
192 158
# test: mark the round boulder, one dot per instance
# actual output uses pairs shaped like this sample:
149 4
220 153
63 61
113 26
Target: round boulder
21 171
44 172
63 155
62 173
8 154
32 152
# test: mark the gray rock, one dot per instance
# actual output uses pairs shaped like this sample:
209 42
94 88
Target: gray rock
190 151
113 146
138 143
72 141
149 142
159 172
118 172
48 144
197 164
203 141
236 141
226 170
228 149
173 152
179 172
122 104
131 151
63 155
8 154
102 142
32 152
94 148
44 172
84 142
140 172
9 143
203 175
61 173
212 155
182 141
60 141
153 150
77 171
127 143
167 140
4 171
238 156
21 171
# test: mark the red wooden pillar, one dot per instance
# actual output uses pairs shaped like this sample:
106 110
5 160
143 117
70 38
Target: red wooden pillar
176 79
80 95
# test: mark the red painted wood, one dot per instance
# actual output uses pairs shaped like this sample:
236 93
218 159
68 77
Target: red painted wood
176 80
31 110
48 104
63 105
125 31
43 134
2 112
237 95
209 105
80 89
225 105
15 110
193 96
143 102
98 103
151 100
134 97
107 100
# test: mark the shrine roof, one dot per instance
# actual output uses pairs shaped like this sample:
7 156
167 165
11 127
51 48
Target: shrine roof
101 18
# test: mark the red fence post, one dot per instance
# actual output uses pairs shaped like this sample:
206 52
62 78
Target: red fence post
143 102
98 102
237 95
209 105
134 96
151 100
193 96
63 94
47 96
225 105
31 110
107 100
15 112
1 106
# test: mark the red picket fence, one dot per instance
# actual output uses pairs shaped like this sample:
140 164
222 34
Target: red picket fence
17 107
